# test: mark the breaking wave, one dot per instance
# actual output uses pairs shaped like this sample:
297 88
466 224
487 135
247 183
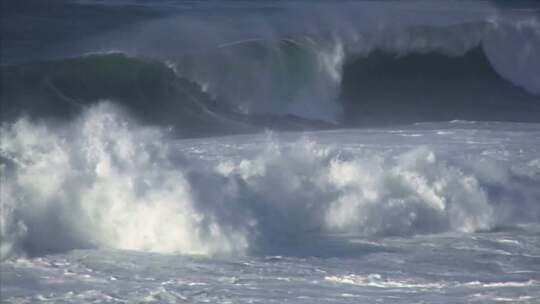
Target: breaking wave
382 88
305 59
316 65
103 180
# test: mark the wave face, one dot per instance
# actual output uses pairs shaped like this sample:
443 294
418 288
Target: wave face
151 90
277 59
379 89
431 87
102 180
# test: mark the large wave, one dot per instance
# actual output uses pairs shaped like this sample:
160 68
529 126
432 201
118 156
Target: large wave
382 88
320 61
151 90
294 59
387 88
103 180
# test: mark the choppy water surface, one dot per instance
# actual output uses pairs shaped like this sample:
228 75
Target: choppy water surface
398 215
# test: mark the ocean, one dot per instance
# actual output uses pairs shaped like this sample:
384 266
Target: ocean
270 151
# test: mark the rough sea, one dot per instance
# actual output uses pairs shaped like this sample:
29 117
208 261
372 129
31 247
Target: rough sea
270 152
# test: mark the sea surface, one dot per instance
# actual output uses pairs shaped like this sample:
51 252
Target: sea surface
270 152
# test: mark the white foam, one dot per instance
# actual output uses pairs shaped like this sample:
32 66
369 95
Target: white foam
105 181
502 284
376 280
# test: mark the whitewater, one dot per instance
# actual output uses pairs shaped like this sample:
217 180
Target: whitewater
270 152
436 212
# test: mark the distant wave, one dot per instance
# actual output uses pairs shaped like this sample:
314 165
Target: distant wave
103 180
